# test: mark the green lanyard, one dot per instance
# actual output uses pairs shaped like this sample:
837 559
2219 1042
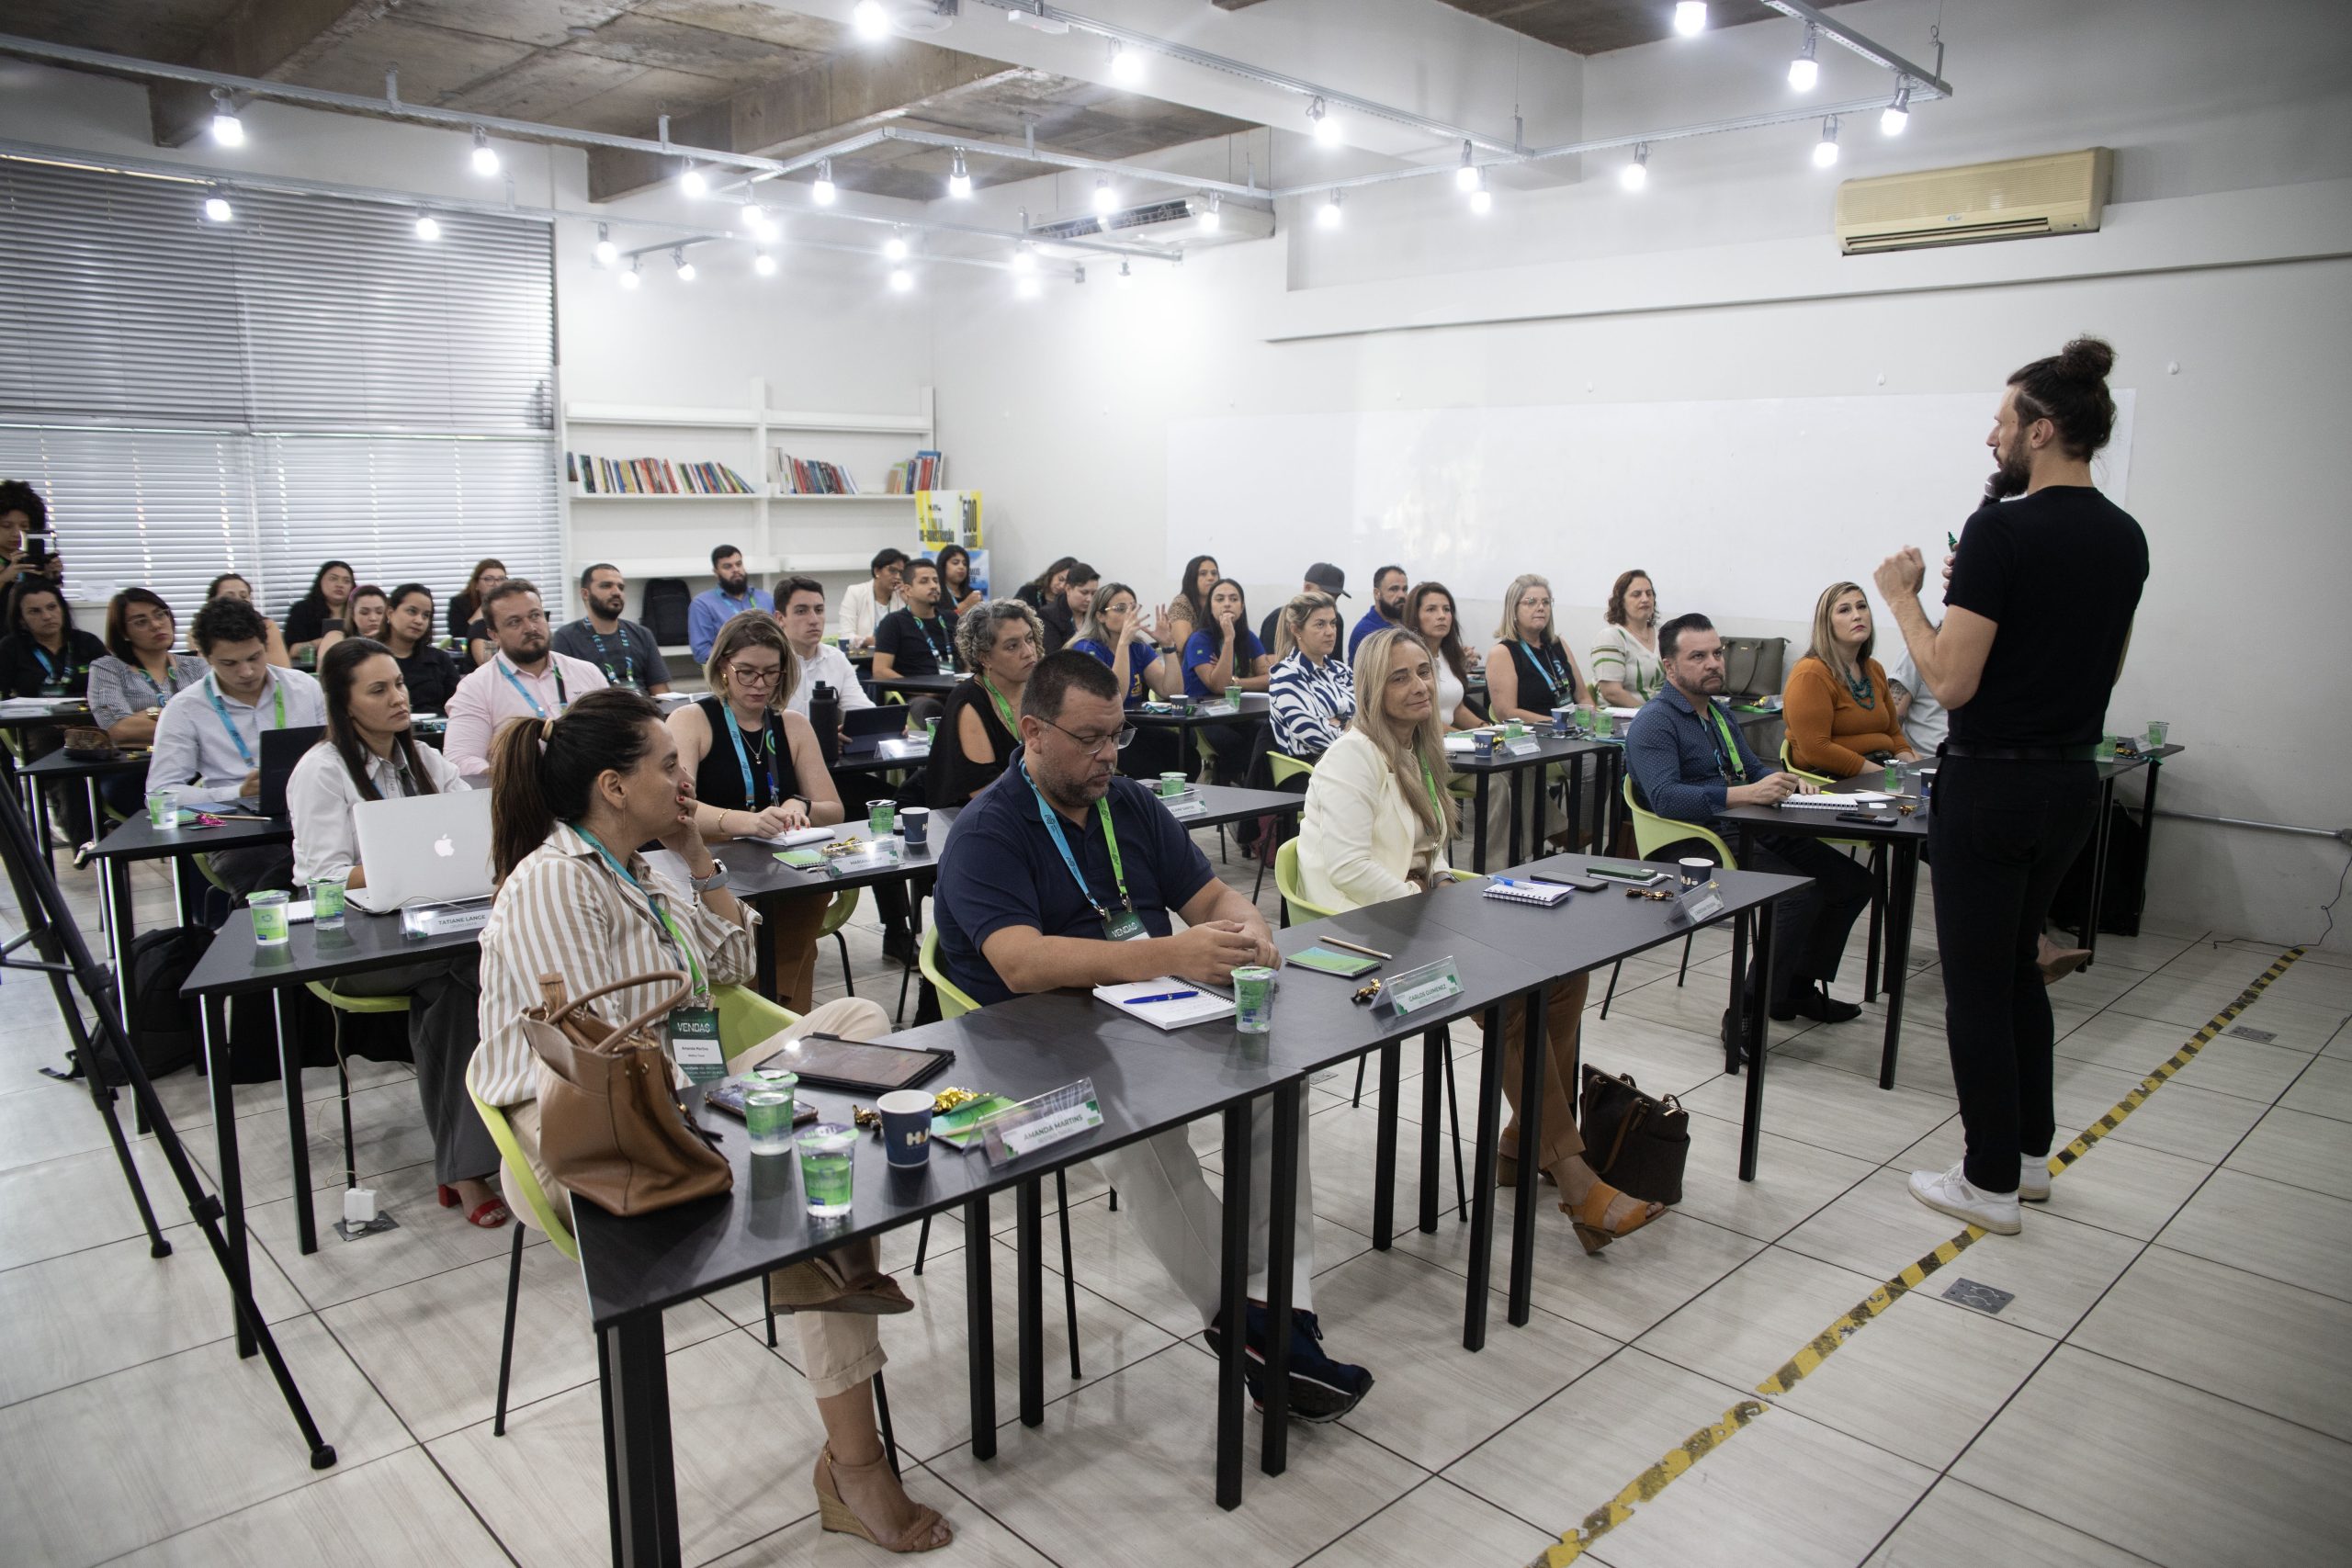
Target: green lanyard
1003 708
1110 838
661 912
1733 768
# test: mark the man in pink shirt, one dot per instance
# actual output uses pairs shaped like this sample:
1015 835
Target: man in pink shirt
525 679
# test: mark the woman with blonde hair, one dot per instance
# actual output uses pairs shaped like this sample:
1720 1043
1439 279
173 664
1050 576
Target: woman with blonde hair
1375 826
1841 722
1311 692
759 774
1528 673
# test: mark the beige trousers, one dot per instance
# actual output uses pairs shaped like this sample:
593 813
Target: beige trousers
839 1349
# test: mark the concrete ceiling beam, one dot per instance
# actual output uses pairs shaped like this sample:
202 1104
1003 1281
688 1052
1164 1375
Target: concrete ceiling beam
257 38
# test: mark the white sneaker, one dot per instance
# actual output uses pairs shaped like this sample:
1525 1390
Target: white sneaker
1949 1193
2033 1180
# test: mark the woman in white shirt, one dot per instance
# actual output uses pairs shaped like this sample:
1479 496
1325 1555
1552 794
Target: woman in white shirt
368 753
572 797
1430 611
1626 671
1375 826
1312 694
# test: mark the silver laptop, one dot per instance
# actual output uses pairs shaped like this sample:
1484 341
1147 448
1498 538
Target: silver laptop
423 848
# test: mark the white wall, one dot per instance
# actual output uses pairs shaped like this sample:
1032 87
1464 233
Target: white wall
2233 142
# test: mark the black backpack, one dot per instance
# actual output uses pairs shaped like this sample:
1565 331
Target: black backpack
165 1027
666 603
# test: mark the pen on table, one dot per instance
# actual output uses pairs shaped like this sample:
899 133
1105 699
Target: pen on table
1162 997
1357 947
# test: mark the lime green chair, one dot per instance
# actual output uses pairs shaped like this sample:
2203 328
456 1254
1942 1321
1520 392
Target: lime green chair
325 990
1280 768
955 1002
1652 833
844 905
1297 908
1876 859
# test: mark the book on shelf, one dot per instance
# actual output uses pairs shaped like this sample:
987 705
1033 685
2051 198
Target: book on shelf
925 470
809 476
591 475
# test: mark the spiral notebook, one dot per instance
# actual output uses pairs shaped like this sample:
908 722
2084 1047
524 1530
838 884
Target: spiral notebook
1546 894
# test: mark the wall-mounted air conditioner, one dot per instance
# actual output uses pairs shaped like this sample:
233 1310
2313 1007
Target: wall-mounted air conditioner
2020 199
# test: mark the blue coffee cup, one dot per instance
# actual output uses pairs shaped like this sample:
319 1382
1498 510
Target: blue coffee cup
906 1126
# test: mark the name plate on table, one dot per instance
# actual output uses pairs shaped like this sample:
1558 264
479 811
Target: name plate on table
1219 709
878 855
1051 1118
1417 989
909 749
1702 903
1527 748
1184 805
444 919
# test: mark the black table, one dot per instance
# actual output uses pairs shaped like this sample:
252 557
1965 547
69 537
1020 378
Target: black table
236 965
1903 840
1257 708
133 839
1145 1081
2109 772
934 685
1539 749
59 768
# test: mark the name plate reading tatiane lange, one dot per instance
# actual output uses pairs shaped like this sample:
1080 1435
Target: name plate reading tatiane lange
1032 1124
1417 989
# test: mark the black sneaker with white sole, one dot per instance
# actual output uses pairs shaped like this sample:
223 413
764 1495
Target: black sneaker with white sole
1320 1388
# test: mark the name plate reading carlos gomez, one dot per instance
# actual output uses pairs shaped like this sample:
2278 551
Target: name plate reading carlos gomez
1039 1123
1417 988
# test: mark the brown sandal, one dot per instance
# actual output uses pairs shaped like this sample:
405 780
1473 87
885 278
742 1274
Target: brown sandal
838 1517
1588 1218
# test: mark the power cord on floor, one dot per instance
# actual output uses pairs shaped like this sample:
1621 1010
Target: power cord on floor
2328 909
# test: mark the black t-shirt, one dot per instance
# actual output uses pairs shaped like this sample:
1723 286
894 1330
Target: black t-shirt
306 620
2060 571
917 647
1059 624
29 670
766 760
628 656
432 677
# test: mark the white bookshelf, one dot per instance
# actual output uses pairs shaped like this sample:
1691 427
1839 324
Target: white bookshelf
827 537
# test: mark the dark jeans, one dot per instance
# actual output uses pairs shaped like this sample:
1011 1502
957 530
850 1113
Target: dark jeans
2003 836
252 870
1809 936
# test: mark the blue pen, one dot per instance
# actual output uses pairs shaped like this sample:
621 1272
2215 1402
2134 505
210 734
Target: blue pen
1163 997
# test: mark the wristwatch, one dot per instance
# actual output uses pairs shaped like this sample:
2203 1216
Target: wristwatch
714 882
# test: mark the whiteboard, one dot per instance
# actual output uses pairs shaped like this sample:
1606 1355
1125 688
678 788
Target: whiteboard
1740 508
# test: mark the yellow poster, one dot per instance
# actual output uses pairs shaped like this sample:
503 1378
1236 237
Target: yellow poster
949 517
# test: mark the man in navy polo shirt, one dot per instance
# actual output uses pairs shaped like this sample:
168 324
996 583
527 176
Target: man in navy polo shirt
1064 873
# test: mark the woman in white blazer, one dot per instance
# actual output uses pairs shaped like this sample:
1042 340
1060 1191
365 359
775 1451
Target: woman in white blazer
1377 825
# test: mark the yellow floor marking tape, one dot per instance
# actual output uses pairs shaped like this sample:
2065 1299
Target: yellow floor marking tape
1821 1346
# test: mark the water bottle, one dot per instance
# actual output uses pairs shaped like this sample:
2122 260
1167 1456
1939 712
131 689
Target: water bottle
825 718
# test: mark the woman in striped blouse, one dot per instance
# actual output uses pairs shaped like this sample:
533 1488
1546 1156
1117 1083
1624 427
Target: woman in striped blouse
571 797
1313 694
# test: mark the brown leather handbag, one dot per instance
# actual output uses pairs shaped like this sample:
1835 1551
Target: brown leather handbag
1636 1143
611 1129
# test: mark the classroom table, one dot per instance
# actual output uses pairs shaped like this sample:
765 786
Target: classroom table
61 712
933 685
134 839
1903 840
1257 708
1535 751
235 965
59 768
2153 761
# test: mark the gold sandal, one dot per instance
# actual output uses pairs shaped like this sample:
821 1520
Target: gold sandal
837 1515
1588 1218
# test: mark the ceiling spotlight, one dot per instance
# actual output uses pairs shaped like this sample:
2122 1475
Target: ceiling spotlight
608 253
823 191
1465 177
1636 175
427 226
227 128
764 263
1690 16
630 279
686 268
1026 286
1898 113
1324 124
216 208
1824 152
901 280
759 222
694 182
1482 200
1804 70
1126 64
895 247
1213 215
1126 275
959 180
1106 200
485 156
1024 258
1328 215
870 19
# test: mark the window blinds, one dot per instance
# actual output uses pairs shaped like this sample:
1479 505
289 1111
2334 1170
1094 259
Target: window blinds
307 381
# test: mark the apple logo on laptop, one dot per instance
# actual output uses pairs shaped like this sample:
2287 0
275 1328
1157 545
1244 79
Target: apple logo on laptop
442 847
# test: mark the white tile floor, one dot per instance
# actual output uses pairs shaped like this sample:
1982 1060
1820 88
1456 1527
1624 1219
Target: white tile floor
2169 1385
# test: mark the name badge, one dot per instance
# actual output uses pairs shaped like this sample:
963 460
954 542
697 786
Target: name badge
1125 926
1417 988
694 1044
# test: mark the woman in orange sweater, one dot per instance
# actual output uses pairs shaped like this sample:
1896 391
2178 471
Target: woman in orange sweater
1840 719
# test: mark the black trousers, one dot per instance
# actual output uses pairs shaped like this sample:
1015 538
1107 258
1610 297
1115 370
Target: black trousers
2003 835
1813 924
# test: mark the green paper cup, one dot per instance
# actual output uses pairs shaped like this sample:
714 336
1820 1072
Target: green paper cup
1253 1000
881 819
269 918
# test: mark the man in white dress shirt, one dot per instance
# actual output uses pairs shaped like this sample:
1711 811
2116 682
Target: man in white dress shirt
865 603
207 742
800 606
525 679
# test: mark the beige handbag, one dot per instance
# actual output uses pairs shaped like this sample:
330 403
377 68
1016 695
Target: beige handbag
611 1129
